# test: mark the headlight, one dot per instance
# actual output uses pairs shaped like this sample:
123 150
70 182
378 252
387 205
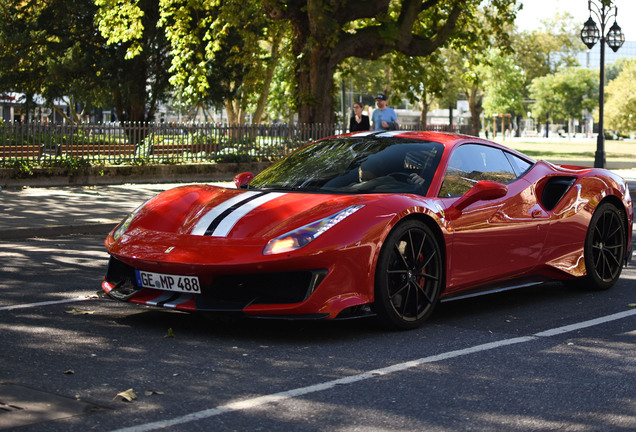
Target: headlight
123 226
304 235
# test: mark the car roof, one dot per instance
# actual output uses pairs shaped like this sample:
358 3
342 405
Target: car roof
447 139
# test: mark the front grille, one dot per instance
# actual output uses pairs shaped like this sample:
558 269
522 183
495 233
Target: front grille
266 288
231 292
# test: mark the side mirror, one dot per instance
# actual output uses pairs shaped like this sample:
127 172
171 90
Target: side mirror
484 190
242 179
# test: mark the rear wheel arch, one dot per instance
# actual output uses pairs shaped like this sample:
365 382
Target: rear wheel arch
616 202
620 206
604 249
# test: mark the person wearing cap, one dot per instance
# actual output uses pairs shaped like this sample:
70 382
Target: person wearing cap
384 118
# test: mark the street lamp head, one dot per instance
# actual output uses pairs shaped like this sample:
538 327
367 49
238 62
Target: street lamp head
615 37
590 33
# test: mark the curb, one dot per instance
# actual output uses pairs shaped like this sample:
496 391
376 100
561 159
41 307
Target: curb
120 174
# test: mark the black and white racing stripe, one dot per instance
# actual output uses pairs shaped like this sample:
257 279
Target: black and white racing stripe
219 221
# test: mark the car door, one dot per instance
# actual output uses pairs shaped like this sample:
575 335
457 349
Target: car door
492 240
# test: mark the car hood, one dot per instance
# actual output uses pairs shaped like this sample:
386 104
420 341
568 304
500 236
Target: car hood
220 213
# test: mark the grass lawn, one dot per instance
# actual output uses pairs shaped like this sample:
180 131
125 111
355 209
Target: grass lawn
574 149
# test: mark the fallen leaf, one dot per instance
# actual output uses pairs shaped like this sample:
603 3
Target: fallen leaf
631 305
152 392
69 372
80 312
128 395
170 333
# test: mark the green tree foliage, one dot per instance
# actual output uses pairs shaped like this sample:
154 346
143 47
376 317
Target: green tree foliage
219 39
491 29
423 80
564 95
222 52
614 70
326 33
281 104
51 49
22 61
227 50
555 45
137 60
503 81
620 106
54 49
448 73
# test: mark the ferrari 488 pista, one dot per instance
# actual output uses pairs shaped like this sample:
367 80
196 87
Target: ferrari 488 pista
373 223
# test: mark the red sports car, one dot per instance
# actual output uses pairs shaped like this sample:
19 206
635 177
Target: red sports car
384 223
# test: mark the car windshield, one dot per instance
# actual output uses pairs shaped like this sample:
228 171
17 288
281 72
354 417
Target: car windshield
355 165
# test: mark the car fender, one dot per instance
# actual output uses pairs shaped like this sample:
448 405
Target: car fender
403 207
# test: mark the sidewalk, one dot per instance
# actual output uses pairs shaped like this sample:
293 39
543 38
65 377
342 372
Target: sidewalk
42 212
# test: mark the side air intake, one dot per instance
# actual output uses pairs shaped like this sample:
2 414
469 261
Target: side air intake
554 190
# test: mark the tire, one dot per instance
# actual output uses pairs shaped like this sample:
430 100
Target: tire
605 248
408 277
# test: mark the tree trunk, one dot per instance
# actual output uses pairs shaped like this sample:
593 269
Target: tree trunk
475 101
322 39
229 110
425 107
315 88
28 106
424 113
269 76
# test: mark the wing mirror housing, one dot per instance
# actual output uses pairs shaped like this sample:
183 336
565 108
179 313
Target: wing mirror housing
484 190
242 179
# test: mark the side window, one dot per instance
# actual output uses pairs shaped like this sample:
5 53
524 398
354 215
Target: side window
471 163
519 165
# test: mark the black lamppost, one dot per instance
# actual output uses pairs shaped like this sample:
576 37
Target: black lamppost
590 35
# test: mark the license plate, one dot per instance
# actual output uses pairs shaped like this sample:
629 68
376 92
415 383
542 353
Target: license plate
167 282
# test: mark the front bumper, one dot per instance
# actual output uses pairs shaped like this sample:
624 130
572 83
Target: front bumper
225 293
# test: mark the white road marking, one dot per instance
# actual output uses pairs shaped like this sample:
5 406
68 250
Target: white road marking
584 324
247 404
82 297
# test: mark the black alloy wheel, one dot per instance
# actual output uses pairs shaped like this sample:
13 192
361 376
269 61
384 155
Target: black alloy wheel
409 276
605 247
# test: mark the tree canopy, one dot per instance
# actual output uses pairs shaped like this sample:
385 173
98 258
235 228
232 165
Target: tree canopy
565 94
137 58
503 81
321 34
620 107
326 33
51 49
550 48
54 49
283 58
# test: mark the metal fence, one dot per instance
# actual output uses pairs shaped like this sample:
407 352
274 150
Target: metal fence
119 143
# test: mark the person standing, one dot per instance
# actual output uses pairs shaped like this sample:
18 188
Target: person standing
359 121
384 118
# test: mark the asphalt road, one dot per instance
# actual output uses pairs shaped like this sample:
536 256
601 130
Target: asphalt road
540 359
